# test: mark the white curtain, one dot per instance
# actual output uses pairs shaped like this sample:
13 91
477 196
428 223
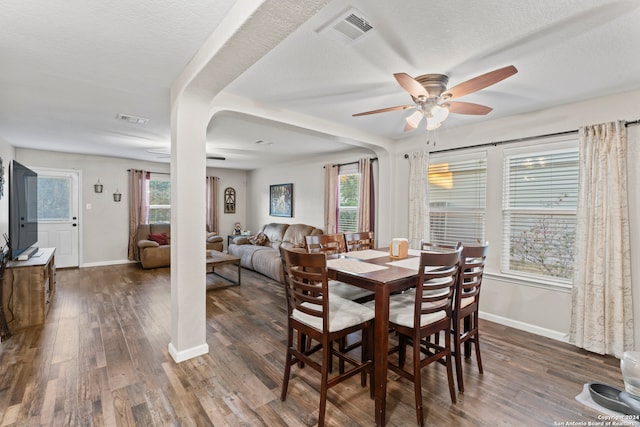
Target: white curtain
330 198
366 210
418 198
602 318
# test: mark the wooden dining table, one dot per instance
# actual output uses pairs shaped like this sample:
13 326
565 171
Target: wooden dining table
375 270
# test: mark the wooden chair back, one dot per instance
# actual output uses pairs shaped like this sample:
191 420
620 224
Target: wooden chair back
359 241
439 247
326 243
471 271
306 282
436 283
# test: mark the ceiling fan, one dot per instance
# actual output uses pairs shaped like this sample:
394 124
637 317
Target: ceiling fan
432 98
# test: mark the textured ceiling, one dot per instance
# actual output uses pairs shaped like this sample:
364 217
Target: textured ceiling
68 68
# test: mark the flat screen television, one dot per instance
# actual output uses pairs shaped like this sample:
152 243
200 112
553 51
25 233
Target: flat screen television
23 211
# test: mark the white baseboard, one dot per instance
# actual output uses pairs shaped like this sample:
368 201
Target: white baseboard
181 356
105 263
549 333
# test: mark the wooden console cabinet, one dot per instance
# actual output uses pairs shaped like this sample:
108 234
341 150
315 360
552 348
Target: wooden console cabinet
28 289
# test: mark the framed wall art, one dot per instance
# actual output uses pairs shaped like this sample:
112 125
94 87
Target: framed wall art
281 200
229 200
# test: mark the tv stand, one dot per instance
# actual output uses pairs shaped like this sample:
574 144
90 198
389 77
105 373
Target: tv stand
31 284
28 253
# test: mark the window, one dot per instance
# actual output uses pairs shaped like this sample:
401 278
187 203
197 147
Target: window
348 198
54 198
159 198
539 213
457 199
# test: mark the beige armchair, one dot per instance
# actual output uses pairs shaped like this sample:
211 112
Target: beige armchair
154 244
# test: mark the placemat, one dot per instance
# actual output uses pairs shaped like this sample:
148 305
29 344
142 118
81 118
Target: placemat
412 263
367 254
353 266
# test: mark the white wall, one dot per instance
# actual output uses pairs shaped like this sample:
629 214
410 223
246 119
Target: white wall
104 228
236 179
307 178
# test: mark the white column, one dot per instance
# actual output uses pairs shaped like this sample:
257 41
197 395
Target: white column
188 268
249 31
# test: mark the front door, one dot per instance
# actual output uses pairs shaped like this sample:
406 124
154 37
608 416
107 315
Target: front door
58 225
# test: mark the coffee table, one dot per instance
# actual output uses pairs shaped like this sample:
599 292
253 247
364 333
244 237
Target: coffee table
215 259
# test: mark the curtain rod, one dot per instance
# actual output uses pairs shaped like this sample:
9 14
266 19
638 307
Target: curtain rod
167 173
527 138
158 173
373 159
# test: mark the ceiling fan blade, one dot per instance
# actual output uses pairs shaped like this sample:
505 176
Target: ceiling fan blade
480 82
468 108
411 85
216 158
384 110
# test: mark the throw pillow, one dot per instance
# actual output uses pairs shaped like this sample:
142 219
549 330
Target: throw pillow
160 238
259 239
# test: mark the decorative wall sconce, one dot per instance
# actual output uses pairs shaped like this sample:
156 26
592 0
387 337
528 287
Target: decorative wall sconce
97 187
117 196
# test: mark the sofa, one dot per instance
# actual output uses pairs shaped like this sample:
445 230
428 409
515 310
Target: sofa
261 252
154 244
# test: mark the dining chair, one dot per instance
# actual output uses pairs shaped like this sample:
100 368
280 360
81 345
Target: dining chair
424 311
316 314
359 241
332 244
438 247
465 308
326 243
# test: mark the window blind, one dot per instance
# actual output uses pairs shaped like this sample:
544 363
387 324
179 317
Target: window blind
457 200
539 213
348 198
159 198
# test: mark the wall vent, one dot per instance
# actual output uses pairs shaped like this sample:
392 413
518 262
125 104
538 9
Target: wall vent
132 119
348 27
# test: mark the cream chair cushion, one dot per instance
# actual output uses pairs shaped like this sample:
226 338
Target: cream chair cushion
342 314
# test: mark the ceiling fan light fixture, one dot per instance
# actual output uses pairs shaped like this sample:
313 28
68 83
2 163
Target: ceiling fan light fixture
414 119
439 113
433 124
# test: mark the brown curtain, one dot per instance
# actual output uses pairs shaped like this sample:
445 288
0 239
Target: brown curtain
212 204
366 212
330 198
138 208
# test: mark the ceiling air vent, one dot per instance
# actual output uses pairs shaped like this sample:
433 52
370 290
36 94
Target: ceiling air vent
132 119
359 22
347 27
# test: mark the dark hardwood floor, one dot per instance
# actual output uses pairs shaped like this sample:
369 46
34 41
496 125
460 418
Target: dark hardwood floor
101 359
